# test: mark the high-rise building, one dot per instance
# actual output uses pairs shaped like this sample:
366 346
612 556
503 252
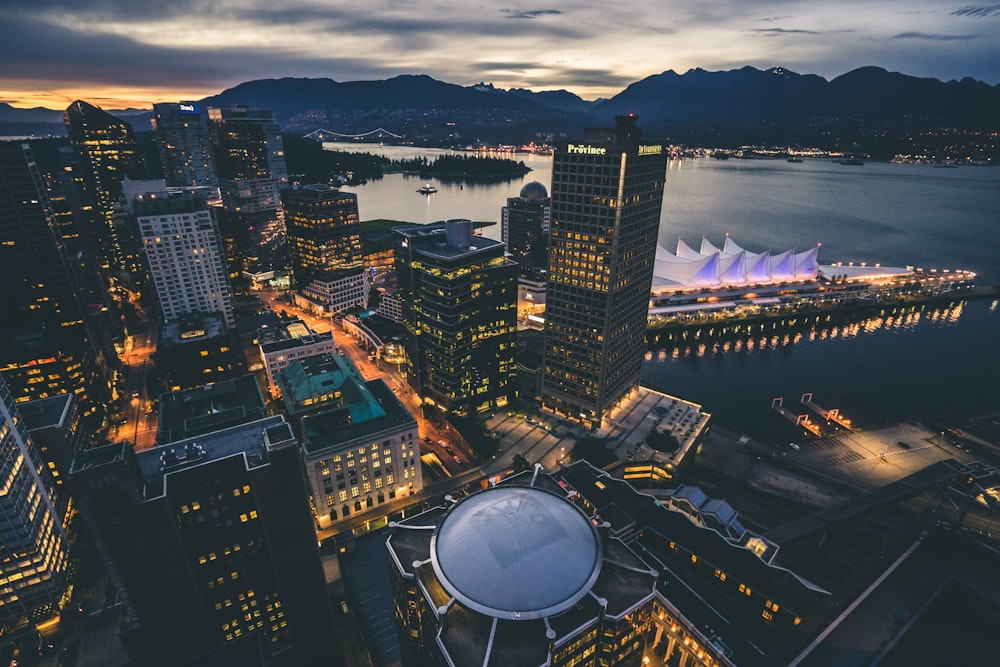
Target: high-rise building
606 198
525 229
521 573
33 551
208 540
184 143
459 298
46 342
324 240
250 165
183 250
109 154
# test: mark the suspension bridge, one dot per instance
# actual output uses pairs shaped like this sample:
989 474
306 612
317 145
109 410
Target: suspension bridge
330 135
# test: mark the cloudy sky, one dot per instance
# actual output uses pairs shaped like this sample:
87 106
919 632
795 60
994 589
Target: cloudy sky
119 53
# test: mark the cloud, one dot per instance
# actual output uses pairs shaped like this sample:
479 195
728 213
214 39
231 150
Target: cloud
980 11
529 14
775 32
934 37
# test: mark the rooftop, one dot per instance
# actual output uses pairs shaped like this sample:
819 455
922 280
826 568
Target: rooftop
516 552
249 440
45 412
191 328
192 412
326 430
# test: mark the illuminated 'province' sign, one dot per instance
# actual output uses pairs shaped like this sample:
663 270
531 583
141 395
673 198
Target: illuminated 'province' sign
650 150
586 150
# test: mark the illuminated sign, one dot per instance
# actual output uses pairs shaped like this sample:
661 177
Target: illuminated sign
189 108
650 150
586 150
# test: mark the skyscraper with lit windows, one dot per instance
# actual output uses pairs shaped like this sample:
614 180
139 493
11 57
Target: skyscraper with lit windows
108 153
46 342
184 144
250 164
33 550
607 193
459 302
324 240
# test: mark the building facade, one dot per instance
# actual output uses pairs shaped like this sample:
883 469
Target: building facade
183 250
34 547
209 540
525 229
109 154
607 195
184 144
459 302
324 242
250 165
361 446
47 345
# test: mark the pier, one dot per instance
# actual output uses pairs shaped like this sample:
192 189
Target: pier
832 415
799 420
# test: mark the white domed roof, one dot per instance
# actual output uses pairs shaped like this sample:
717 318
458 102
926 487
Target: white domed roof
516 553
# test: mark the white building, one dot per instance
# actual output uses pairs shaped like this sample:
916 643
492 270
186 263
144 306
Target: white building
293 340
346 289
183 249
360 444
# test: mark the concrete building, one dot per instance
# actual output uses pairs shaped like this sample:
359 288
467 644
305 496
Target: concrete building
183 250
109 154
196 349
184 143
521 573
606 198
361 446
324 241
250 164
208 540
48 345
34 546
459 303
280 345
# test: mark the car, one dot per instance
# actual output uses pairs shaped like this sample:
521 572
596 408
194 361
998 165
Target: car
794 446
457 460
344 607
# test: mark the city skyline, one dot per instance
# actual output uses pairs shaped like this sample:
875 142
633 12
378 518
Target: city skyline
58 51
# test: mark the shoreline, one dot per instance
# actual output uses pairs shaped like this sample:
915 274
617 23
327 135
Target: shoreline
656 332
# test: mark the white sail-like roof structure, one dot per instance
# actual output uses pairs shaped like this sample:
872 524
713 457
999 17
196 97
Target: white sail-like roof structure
731 265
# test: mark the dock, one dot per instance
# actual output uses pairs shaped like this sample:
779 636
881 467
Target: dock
832 415
799 420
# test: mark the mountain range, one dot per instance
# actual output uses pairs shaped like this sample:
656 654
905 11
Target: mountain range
744 103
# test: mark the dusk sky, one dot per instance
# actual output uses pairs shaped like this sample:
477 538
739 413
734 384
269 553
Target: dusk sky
119 53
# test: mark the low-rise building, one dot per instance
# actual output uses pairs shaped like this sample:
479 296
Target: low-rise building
360 444
290 340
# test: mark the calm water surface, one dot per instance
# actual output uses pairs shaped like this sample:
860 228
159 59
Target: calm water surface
937 364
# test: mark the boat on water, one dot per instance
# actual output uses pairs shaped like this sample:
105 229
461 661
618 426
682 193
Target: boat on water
794 159
854 162
427 189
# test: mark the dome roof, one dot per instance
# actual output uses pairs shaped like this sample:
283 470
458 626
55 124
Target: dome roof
516 553
534 190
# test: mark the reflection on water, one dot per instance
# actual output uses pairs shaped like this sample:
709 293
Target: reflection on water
909 362
780 332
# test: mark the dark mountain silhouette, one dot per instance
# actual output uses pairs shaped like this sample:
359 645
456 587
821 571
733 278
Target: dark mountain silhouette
748 97
745 105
